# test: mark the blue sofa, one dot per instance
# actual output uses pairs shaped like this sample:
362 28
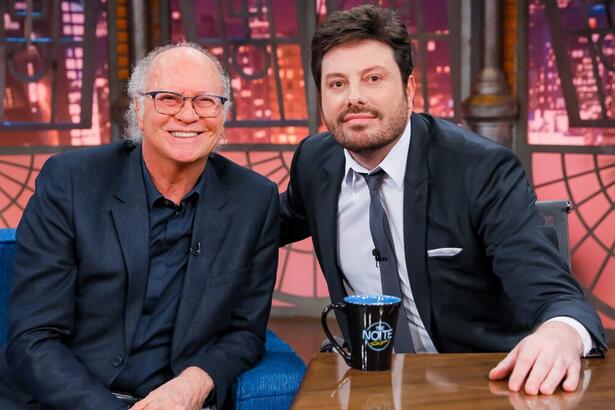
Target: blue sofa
271 384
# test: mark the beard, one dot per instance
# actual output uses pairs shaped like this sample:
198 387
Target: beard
361 140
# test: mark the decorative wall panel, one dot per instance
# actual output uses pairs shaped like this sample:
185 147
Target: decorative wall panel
571 131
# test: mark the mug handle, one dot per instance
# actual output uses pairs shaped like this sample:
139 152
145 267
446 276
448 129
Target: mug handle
325 327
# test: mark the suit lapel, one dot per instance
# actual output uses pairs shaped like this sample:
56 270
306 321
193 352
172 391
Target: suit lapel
211 222
329 185
131 221
415 218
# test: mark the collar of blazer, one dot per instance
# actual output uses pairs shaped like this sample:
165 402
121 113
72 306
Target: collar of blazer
416 163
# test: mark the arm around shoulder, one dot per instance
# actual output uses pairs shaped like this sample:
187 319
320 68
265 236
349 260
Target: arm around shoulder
293 219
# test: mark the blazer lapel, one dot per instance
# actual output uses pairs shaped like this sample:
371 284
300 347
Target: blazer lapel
211 222
131 221
329 186
416 189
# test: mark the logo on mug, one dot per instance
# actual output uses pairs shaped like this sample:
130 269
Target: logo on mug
378 336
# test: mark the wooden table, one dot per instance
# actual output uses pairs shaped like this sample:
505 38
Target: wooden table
442 381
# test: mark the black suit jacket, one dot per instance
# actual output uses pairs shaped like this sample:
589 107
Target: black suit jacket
461 190
81 266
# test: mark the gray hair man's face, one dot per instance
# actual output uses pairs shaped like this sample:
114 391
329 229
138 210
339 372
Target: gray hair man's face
137 85
184 137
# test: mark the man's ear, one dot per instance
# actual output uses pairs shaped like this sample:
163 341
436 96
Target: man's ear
410 89
138 112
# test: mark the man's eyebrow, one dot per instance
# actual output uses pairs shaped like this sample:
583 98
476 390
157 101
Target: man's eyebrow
374 67
334 74
364 71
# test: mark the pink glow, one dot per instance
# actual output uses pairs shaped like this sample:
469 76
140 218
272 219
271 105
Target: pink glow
552 162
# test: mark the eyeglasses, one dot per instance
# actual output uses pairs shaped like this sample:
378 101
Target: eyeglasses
170 103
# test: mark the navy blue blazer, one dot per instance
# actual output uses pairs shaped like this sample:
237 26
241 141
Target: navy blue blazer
463 191
80 271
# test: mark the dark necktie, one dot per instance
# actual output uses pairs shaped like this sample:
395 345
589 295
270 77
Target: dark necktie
385 256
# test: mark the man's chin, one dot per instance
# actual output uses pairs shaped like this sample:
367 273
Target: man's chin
359 146
365 150
357 138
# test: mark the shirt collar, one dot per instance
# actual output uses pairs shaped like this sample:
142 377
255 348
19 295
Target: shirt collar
394 164
154 196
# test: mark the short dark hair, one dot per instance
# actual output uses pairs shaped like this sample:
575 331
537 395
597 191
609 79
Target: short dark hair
366 22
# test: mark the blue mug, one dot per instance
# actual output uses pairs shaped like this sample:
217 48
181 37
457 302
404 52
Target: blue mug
371 324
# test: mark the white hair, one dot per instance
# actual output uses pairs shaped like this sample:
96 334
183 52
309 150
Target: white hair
138 82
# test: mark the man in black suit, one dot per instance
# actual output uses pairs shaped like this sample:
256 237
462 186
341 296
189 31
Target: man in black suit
450 211
146 266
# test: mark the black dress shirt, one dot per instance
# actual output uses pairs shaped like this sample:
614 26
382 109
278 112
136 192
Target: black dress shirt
170 227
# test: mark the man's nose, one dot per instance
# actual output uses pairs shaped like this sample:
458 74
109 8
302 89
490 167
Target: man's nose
355 96
187 113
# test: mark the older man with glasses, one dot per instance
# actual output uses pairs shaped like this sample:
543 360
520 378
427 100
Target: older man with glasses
144 269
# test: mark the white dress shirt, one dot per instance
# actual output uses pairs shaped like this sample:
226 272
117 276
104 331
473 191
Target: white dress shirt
355 244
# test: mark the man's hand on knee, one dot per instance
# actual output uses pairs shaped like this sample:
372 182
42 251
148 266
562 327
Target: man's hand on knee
543 359
187 391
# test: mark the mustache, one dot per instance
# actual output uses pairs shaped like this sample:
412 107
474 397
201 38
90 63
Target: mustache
353 109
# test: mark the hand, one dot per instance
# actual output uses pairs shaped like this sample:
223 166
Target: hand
562 401
546 357
187 391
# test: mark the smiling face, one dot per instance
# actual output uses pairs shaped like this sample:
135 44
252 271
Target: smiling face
184 138
364 102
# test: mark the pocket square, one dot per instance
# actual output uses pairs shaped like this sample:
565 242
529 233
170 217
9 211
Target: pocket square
443 252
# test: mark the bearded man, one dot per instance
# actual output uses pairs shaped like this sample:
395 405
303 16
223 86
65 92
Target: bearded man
410 205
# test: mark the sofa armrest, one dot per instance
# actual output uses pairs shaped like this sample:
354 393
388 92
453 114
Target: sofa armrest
7 254
273 382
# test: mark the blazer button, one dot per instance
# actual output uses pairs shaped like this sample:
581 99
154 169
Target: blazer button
118 361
